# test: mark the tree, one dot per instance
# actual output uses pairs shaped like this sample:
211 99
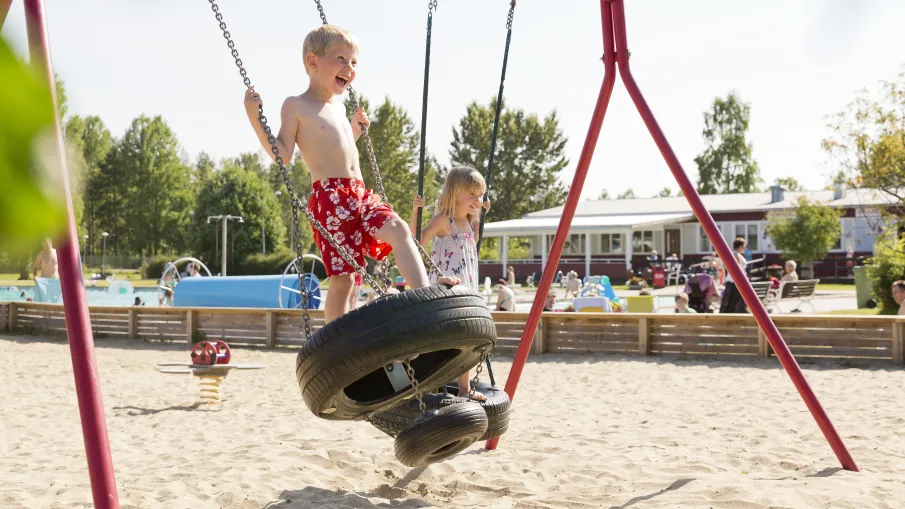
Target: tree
664 193
157 203
204 167
727 165
627 195
92 141
807 233
866 144
604 195
253 162
300 179
396 146
789 184
62 100
529 157
237 191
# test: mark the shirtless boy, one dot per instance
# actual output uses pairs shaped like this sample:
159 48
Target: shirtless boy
316 122
47 262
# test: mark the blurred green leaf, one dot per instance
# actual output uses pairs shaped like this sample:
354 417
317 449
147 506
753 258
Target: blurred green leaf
30 208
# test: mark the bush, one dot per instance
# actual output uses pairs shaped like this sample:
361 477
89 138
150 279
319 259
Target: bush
886 267
274 263
153 268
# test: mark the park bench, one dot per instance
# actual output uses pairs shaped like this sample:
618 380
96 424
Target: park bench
803 290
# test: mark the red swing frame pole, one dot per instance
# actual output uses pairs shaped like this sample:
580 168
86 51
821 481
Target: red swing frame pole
613 18
75 305
581 172
722 247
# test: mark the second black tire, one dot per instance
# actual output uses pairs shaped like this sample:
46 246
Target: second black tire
398 418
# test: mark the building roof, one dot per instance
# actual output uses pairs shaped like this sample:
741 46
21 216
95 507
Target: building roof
599 215
585 224
721 203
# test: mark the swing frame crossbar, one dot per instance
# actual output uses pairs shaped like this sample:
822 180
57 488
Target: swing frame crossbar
615 54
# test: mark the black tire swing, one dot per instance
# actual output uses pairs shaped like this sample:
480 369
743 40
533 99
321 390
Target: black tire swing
395 421
377 356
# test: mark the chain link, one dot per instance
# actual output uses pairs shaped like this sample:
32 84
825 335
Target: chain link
511 14
477 373
431 7
415 386
320 10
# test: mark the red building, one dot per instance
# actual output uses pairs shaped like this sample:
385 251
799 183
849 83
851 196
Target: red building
607 237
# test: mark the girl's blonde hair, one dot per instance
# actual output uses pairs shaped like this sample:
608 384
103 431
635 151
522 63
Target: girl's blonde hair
459 179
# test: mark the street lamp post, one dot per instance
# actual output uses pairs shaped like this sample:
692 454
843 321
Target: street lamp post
224 219
104 257
85 256
263 236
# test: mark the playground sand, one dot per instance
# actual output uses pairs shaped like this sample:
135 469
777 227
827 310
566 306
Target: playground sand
601 432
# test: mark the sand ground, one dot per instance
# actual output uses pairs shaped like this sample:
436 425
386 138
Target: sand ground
610 432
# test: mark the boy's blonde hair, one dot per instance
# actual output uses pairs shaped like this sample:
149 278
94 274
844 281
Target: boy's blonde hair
324 38
460 178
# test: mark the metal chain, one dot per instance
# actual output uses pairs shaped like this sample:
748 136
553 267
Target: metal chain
417 388
511 14
477 373
431 7
320 10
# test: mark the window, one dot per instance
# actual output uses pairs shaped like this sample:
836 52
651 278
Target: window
749 233
575 244
704 245
643 242
611 243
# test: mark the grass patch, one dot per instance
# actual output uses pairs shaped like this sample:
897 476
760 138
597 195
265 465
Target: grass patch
833 286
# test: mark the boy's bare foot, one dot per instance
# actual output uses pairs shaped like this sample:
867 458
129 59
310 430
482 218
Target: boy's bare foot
448 280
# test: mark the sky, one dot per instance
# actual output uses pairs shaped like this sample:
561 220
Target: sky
793 62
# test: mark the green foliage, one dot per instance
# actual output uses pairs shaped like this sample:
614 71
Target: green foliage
884 268
529 157
153 268
62 100
789 184
396 145
664 193
866 143
300 179
604 195
261 264
238 192
807 234
204 167
149 188
31 206
89 142
727 165
628 194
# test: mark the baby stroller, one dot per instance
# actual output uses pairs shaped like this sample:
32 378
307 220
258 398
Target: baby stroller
701 290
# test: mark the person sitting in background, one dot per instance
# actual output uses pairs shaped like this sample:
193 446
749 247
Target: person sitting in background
898 295
506 298
551 300
790 274
682 304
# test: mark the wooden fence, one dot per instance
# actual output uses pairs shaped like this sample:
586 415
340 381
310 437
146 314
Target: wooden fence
872 338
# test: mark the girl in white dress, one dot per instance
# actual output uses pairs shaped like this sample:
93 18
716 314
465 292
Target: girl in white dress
454 232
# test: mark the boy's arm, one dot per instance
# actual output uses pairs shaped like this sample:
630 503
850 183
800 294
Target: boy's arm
285 140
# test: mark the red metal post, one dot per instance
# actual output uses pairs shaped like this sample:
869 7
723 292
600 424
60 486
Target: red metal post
78 325
584 161
4 10
722 247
